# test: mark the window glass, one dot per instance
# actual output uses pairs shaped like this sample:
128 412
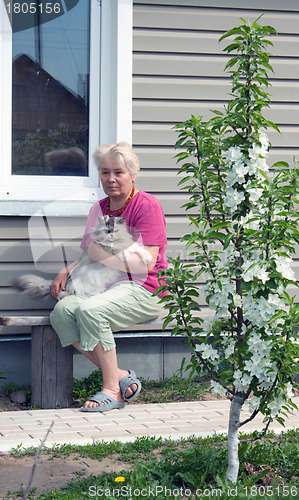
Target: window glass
50 82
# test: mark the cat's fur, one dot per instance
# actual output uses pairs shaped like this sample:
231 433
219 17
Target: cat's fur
90 277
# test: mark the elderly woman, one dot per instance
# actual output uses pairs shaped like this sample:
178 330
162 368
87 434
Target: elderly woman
88 323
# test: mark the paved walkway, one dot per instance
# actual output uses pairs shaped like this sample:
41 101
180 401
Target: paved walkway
169 420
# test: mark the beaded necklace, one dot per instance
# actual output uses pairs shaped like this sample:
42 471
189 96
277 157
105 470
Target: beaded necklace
120 211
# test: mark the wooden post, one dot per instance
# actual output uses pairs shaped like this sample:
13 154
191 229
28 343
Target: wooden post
51 370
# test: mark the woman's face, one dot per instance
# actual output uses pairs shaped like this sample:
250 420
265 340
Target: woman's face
116 179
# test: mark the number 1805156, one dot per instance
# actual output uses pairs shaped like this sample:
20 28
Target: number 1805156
269 491
34 8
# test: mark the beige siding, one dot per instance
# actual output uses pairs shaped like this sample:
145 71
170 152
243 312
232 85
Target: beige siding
19 249
178 70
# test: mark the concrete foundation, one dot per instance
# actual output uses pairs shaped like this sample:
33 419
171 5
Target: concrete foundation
151 358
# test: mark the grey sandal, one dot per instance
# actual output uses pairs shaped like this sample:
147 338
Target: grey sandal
105 402
125 383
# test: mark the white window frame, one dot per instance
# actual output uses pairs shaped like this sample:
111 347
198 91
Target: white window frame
110 114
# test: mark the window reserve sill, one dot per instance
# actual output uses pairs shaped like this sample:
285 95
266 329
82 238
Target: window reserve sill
45 208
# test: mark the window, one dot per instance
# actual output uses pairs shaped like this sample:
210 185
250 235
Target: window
50 91
64 62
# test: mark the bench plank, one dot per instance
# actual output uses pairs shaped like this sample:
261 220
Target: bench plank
24 320
45 320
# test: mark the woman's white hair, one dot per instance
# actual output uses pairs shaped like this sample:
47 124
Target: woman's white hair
122 152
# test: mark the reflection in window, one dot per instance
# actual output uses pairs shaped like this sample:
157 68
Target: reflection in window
50 98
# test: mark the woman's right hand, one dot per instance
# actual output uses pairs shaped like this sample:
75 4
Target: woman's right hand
59 282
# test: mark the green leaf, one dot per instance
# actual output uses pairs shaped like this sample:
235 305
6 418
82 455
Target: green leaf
272 125
166 322
281 164
231 32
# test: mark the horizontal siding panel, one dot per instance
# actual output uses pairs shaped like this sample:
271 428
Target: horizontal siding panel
9 271
157 181
21 252
175 41
163 134
166 111
156 157
60 227
209 19
177 226
163 157
152 87
12 301
202 42
147 134
291 5
177 65
172 203
210 89
200 65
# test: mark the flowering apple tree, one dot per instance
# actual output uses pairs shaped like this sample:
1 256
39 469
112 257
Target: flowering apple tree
243 236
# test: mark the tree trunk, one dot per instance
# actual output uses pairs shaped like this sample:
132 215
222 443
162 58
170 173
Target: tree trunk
233 440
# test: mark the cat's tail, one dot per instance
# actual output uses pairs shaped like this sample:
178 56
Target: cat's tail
35 287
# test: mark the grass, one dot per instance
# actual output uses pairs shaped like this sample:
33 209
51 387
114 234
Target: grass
163 469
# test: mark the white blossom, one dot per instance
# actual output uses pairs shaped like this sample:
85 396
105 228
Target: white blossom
208 324
275 406
217 388
250 270
254 270
237 300
264 141
257 156
232 155
248 275
254 194
207 352
289 392
241 381
283 267
233 199
260 310
219 296
229 348
263 275
254 403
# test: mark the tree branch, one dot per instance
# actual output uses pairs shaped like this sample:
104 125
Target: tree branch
26 492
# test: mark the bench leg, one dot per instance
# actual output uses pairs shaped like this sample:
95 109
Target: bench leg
51 370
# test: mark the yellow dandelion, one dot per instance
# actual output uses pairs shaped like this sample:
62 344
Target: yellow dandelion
119 479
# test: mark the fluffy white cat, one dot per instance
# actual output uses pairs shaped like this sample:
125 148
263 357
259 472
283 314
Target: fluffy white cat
90 277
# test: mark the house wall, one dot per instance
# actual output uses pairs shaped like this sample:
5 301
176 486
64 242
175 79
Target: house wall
178 69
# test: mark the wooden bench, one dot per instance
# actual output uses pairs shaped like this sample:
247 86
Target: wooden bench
52 365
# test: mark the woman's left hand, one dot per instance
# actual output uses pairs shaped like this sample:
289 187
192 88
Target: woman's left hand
96 252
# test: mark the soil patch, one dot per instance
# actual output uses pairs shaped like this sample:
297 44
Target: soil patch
51 473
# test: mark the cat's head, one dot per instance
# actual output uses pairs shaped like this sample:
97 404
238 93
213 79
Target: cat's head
108 228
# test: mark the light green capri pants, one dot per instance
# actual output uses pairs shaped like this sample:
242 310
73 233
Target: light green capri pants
94 319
